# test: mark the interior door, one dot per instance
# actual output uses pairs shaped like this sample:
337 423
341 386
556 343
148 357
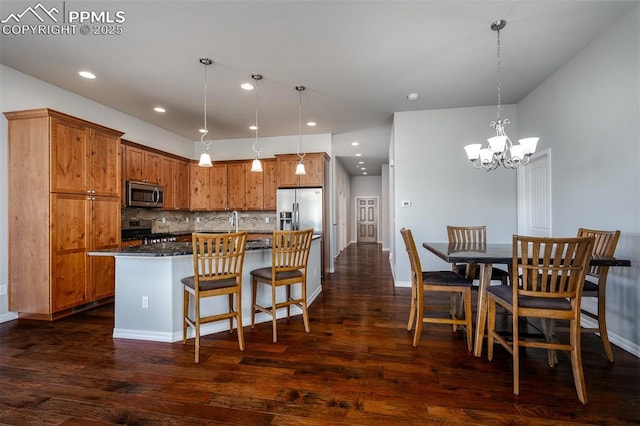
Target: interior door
534 196
367 219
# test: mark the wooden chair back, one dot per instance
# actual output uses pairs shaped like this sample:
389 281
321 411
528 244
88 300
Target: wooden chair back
290 250
414 258
550 267
218 256
467 234
604 245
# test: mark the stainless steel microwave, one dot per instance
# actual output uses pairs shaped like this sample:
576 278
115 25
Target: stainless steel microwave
141 194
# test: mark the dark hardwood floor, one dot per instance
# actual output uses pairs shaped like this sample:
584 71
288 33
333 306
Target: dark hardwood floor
356 367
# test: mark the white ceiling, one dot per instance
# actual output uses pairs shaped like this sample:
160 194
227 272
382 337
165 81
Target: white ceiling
358 60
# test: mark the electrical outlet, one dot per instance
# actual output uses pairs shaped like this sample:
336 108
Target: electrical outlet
266 219
186 220
164 220
197 220
145 302
3 289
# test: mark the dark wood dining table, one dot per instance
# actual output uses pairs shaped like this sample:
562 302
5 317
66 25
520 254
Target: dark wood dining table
486 255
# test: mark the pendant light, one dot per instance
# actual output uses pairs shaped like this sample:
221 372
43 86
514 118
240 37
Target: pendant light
256 165
205 158
300 170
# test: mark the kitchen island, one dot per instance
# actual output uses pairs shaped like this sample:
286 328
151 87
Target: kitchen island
149 294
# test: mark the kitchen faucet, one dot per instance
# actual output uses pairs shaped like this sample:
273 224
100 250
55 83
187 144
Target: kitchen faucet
234 219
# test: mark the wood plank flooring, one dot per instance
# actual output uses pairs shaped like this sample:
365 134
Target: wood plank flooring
356 367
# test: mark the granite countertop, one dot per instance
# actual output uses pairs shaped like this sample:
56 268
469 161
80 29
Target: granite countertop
175 249
170 249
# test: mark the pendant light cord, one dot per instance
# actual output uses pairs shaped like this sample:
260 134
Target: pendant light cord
300 89
257 78
499 65
206 62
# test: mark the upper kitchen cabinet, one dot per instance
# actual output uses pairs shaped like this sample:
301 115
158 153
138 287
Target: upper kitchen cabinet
64 200
141 165
174 178
85 158
237 173
208 187
315 165
270 184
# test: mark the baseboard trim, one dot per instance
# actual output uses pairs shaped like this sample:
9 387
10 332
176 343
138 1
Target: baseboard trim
8 316
614 339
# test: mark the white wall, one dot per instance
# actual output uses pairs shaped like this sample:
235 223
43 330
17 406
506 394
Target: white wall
365 186
342 208
432 172
589 113
384 208
19 92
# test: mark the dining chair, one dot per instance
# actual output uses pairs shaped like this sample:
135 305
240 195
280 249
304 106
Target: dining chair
595 284
218 260
549 287
435 281
289 259
473 235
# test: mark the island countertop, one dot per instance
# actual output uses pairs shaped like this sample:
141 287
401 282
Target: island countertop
173 249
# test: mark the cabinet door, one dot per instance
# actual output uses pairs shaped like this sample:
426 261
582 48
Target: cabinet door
104 234
167 182
181 185
200 188
286 171
254 187
314 166
152 166
237 186
69 143
69 214
133 164
218 188
104 164
270 184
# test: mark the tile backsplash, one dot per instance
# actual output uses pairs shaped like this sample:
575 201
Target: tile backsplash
185 221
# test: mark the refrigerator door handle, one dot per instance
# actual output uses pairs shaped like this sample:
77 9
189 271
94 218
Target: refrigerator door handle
297 218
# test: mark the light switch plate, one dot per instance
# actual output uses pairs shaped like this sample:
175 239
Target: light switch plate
3 289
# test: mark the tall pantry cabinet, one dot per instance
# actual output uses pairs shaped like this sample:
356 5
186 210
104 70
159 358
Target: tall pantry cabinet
64 201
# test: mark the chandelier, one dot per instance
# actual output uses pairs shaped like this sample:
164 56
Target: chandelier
500 150
205 158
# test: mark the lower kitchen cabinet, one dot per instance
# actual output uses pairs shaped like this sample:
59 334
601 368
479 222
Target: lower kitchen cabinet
80 224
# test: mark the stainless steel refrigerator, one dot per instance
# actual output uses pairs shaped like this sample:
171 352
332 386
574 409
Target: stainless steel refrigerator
300 208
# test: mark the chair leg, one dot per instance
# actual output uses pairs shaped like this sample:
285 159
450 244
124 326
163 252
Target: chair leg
288 298
185 312
412 312
305 312
516 353
239 320
419 316
576 362
548 329
454 310
467 316
254 290
602 326
491 326
273 313
231 310
197 329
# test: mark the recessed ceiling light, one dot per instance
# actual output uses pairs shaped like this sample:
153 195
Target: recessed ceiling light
360 162
253 127
159 109
363 168
247 86
311 123
412 96
87 74
355 143
364 173
358 155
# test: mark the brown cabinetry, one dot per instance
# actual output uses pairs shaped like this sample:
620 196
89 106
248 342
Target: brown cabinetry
141 165
181 185
270 184
237 173
64 200
315 165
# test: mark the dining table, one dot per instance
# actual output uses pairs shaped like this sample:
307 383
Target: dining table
486 255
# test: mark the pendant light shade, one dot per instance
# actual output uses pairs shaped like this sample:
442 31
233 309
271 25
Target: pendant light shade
205 160
256 165
300 170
